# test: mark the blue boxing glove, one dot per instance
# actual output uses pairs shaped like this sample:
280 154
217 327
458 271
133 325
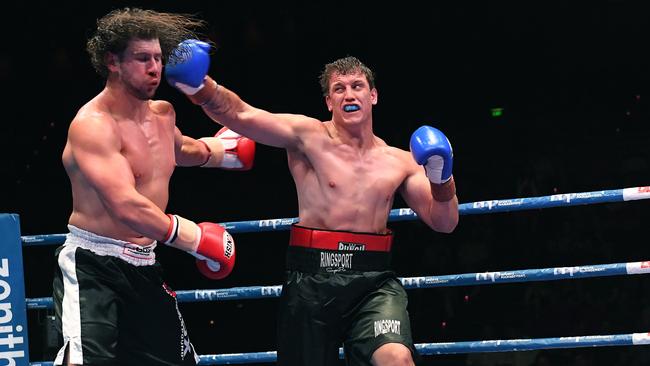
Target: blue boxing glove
431 148
188 65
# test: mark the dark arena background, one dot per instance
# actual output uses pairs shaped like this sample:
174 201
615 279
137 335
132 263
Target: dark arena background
536 97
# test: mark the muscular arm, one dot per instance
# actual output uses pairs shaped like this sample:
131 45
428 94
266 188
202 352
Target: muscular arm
417 192
189 151
187 71
95 147
274 129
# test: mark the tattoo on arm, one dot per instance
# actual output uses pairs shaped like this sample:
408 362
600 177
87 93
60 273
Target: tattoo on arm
220 102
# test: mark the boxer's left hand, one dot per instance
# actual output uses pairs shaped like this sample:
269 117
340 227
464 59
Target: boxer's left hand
431 148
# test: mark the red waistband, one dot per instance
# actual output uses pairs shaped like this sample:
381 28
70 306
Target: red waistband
339 240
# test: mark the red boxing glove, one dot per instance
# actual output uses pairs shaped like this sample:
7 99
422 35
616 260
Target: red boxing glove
216 251
210 243
238 151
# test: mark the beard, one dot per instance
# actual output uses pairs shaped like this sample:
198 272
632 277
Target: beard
141 92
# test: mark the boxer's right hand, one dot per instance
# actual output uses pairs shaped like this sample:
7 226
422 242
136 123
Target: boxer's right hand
210 243
188 66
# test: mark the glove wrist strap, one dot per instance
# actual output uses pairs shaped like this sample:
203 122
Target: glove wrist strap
206 94
215 155
182 234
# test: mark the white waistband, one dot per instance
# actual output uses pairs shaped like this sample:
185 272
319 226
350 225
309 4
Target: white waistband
138 255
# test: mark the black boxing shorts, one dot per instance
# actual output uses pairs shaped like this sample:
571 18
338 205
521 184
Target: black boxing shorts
112 306
339 291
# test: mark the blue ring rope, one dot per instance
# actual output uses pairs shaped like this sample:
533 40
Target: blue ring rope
406 214
507 345
484 278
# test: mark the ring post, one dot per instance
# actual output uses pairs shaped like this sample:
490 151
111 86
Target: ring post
13 313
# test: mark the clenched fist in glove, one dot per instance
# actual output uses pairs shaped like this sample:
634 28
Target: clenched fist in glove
431 148
238 151
210 243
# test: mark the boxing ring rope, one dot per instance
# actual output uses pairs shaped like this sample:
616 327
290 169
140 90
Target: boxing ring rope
406 214
510 345
13 287
467 279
